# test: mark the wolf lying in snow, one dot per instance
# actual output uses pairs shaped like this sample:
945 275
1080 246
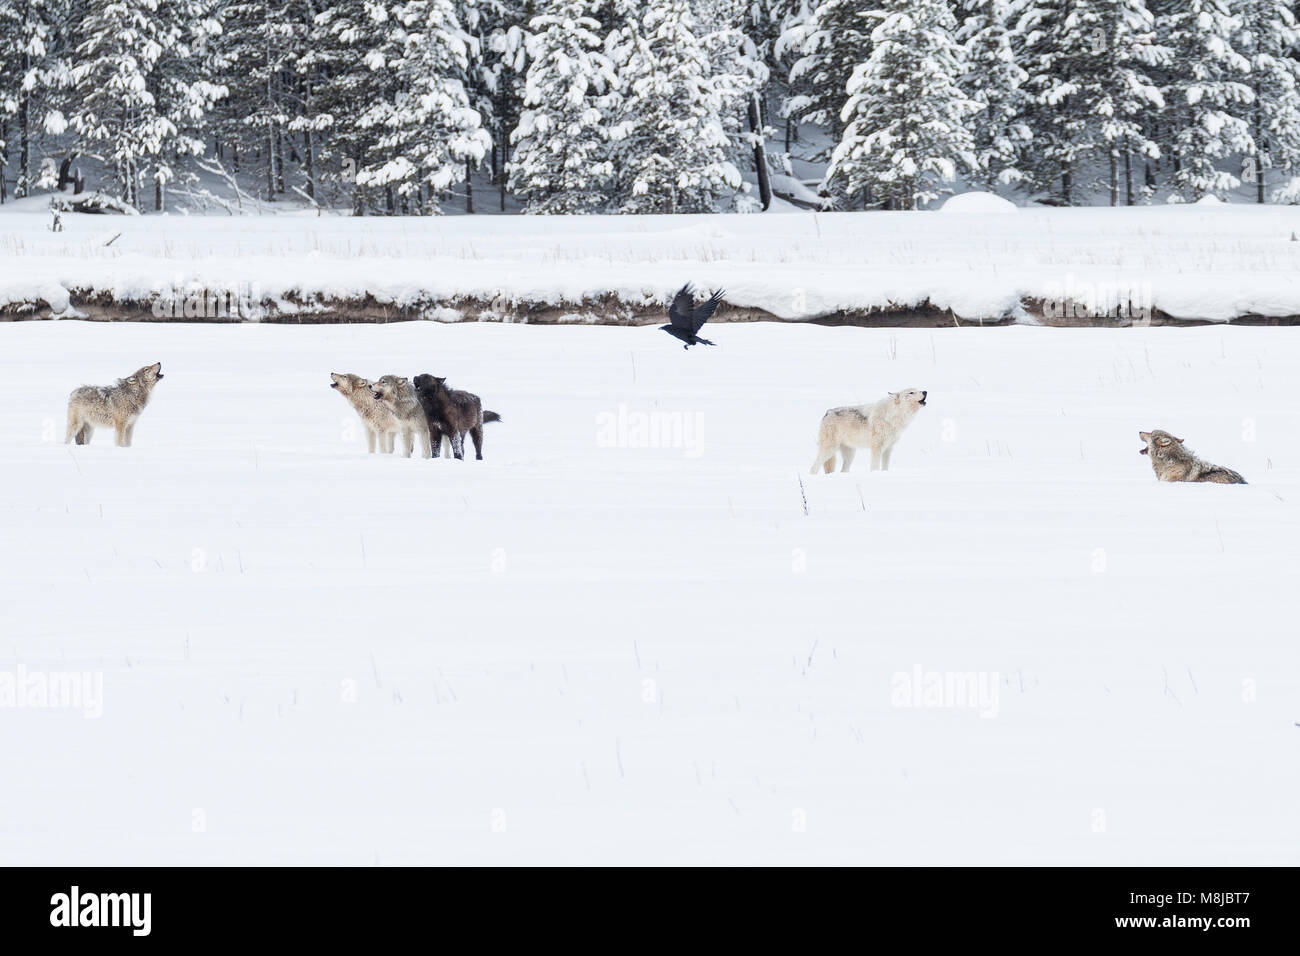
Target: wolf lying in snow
452 413
380 424
1172 462
878 426
118 405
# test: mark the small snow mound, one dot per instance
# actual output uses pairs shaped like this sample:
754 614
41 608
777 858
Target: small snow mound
978 203
57 298
1209 200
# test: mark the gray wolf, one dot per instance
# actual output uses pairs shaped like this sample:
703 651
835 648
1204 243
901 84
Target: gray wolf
398 396
379 422
878 426
1173 462
452 413
118 405
685 318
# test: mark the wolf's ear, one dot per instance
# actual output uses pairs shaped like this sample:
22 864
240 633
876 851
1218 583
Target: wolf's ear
896 396
1179 440
441 381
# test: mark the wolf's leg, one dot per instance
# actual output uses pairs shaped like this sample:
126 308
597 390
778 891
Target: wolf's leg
884 458
458 446
119 432
875 457
426 444
390 442
130 433
83 436
446 445
435 441
476 433
74 427
846 457
408 442
370 440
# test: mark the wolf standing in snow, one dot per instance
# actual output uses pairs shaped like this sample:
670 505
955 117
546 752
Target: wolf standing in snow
878 426
118 405
398 395
1172 462
380 424
451 414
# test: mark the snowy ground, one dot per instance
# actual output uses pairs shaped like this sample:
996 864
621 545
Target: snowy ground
1203 261
579 651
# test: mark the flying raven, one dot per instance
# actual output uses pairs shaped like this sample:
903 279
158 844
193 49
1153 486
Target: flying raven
686 318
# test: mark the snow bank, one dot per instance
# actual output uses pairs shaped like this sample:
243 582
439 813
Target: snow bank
1190 261
979 204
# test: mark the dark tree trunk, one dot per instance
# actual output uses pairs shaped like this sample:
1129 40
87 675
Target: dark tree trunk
469 187
760 154
1128 176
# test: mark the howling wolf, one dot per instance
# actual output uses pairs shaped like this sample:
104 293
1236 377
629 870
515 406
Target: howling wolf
1172 462
118 405
850 427
380 424
452 413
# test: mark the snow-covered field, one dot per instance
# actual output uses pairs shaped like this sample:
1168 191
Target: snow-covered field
585 651
1201 261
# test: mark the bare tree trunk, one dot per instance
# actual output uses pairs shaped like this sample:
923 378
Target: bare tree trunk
469 187
1259 149
270 163
1114 178
1128 175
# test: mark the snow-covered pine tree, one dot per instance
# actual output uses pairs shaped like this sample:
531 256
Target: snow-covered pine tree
1269 39
561 161
33 49
1090 64
507 41
1208 96
134 106
674 152
266 43
741 77
427 130
829 45
906 116
996 81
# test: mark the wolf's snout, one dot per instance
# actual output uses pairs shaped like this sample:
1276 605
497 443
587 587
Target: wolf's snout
923 394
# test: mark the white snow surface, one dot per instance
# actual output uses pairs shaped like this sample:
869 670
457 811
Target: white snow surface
1192 261
582 651
978 203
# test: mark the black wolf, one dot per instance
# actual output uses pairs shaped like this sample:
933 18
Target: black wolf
453 413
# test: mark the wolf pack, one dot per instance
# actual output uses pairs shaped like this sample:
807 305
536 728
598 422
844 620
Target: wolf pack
425 411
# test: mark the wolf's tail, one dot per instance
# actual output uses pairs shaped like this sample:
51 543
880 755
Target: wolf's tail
491 417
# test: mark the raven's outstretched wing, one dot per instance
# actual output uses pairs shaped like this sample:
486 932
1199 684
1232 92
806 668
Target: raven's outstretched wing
706 310
679 313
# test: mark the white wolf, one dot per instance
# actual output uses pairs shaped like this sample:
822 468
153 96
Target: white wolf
878 426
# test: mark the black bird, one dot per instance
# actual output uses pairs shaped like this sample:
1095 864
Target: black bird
686 318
